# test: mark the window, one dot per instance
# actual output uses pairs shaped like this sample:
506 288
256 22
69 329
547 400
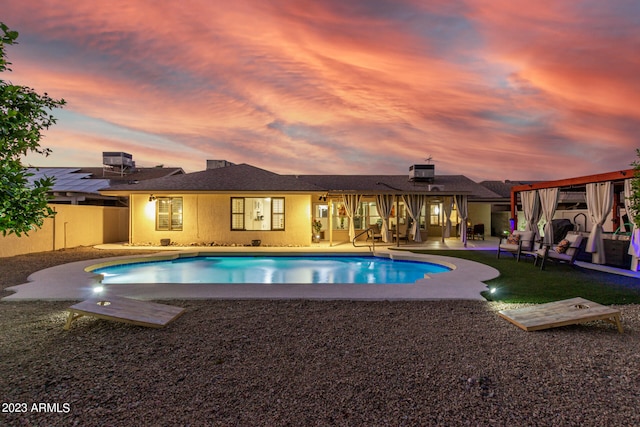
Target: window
237 213
434 214
372 214
341 219
277 213
169 213
257 213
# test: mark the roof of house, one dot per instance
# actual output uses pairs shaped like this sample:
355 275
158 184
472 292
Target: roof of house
399 184
240 177
501 188
246 178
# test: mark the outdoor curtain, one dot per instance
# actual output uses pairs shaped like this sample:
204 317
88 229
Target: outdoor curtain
414 204
351 203
634 247
599 204
548 204
385 207
447 206
531 211
461 205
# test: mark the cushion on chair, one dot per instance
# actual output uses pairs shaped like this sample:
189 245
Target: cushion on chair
562 246
509 247
557 256
513 239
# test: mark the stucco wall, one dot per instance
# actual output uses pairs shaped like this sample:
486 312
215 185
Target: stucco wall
207 219
480 213
73 225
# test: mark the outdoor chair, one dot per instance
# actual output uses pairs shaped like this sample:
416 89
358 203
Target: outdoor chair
478 231
403 237
517 244
566 251
375 232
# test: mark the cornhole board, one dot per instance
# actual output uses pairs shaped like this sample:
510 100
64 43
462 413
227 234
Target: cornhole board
561 313
126 310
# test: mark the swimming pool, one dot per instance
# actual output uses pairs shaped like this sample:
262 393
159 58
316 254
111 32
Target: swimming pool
275 269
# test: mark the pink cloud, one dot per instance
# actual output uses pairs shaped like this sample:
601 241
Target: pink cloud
329 87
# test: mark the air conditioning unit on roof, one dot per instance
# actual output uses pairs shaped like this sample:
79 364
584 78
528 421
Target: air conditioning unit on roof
117 161
422 173
120 158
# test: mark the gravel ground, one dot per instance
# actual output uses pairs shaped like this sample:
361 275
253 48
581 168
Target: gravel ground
309 363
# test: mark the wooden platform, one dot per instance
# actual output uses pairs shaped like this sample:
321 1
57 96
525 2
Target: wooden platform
127 310
561 313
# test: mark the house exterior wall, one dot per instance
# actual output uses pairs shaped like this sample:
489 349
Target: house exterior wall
207 220
73 226
480 213
500 223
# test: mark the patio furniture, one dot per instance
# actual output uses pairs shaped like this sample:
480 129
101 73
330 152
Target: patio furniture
406 236
517 244
126 310
561 227
561 313
476 231
566 251
377 233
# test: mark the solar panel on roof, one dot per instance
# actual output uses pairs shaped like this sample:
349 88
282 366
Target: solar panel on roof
68 179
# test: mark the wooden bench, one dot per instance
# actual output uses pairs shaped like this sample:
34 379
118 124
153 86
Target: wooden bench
126 310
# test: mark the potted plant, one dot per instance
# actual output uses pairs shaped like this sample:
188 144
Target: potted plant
342 212
317 226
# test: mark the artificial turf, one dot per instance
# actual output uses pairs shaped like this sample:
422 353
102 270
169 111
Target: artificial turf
522 282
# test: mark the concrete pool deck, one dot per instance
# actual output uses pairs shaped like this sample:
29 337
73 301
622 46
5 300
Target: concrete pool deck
70 282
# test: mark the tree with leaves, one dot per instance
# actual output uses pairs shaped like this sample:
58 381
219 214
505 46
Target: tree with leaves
24 115
634 199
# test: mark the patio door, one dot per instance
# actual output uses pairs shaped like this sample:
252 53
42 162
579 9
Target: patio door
321 213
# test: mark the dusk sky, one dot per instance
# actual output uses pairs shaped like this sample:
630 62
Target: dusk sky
490 89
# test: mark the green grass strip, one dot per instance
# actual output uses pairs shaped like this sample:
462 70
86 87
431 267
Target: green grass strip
521 282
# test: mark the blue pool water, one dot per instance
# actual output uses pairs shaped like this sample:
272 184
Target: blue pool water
320 269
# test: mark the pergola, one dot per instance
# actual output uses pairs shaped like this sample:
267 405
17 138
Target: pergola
617 178
595 243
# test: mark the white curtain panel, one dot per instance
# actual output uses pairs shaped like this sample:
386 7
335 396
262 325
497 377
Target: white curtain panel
531 211
461 205
384 203
634 247
599 203
414 204
548 204
447 206
351 203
